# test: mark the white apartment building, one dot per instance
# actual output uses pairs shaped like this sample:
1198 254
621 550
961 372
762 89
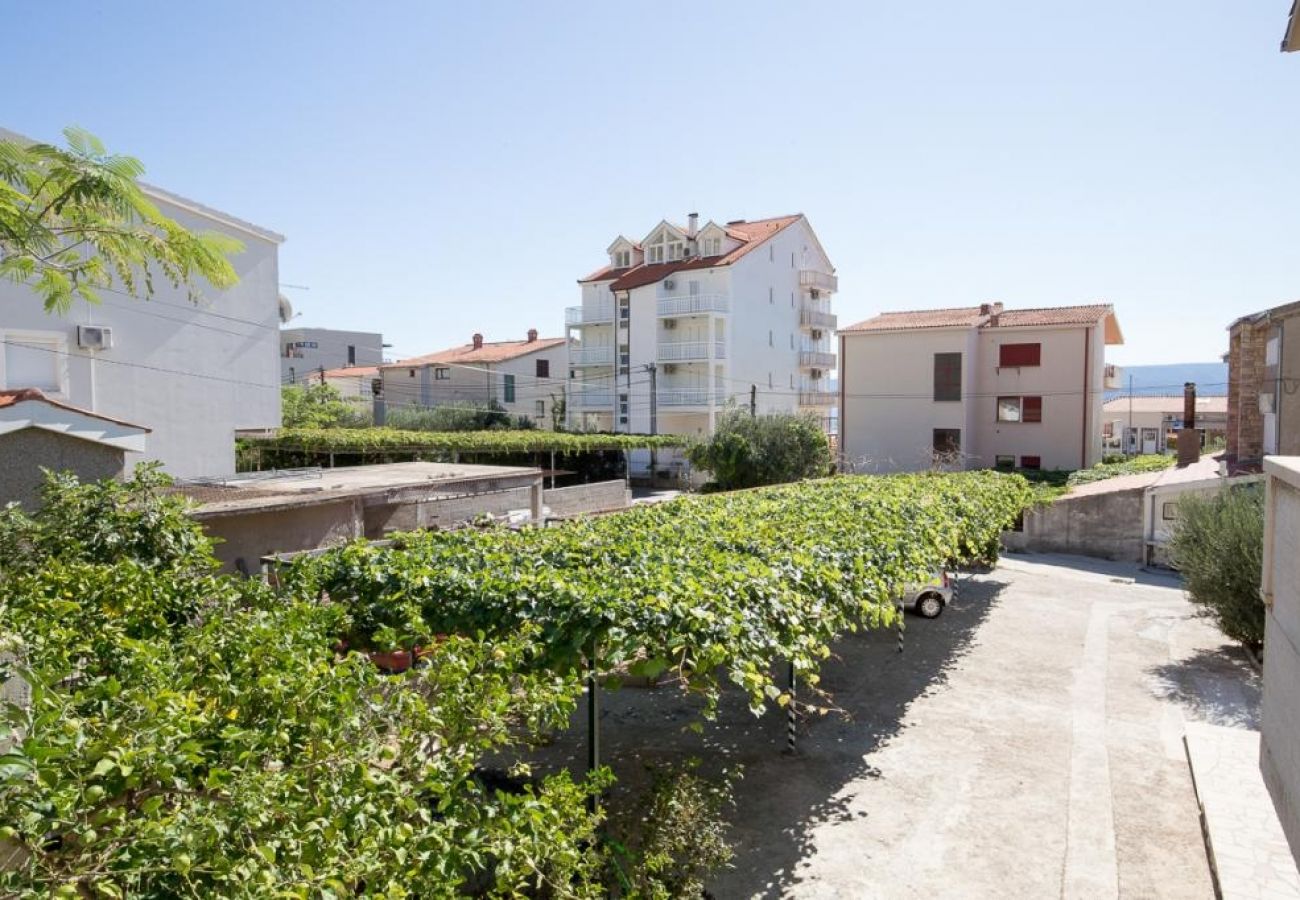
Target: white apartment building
192 374
305 352
706 316
978 387
526 377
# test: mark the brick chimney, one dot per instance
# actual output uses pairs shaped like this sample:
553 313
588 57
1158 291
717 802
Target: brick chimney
477 341
1189 438
532 335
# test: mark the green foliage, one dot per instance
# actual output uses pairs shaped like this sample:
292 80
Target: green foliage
1048 485
748 451
73 221
1218 546
678 836
723 584
457 417
191 734
314 405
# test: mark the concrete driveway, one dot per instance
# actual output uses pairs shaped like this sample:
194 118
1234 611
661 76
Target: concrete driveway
1026 744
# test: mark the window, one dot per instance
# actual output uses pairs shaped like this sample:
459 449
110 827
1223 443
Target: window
1004 463
1031 409
1008 409
352 355
1031 462
1169 510
712 246
676 250
410 373
622 259
947 376
543 368
293 378
34 359
539 408
441 374
509 389
947 441
1017 355
655 253
624 307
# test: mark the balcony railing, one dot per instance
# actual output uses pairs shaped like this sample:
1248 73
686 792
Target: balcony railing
583 398
591 356
820 280
817 359
693 304
690 397
818 398
811 317
682 351
589 315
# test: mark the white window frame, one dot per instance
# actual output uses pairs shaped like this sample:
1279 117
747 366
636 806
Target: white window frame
60 341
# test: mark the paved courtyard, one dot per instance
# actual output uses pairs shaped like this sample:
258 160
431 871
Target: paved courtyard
1028 743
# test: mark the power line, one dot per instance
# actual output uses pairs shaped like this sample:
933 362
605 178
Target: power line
131 365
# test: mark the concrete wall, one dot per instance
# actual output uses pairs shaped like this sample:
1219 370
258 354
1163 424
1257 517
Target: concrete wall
251 535
23 454
330 352
583 498
193 373
1106 525
1280 709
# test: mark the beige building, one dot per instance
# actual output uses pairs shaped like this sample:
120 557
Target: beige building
975 387
1145 424
526 377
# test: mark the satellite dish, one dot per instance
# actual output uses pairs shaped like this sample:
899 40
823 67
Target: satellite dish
286 310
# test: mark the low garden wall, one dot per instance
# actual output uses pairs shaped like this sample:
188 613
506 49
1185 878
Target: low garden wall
1107 525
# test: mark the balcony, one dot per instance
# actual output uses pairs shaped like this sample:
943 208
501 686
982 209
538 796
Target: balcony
813 316
1114 377
591 398
688 351
591 356
694 304
816 359
819 280
689 397
589 315
818 398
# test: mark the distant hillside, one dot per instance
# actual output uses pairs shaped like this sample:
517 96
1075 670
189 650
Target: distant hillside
1211 379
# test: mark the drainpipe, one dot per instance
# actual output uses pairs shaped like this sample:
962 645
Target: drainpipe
1083 437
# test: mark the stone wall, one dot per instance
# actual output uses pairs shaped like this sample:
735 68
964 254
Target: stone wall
585 498
23 453
1246 373
1104 525
1280 709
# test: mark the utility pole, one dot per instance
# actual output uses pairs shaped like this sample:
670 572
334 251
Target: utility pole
654 416
753 401
1129 433
322 374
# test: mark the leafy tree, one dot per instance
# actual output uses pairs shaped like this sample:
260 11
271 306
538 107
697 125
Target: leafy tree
1218 546
74 221
458 417
747 451
315 405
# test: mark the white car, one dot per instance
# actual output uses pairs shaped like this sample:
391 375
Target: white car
928 600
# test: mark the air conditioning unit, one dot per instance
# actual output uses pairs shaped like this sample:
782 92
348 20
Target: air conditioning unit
94 337
670 368
670 324
670 284
816 334
815 373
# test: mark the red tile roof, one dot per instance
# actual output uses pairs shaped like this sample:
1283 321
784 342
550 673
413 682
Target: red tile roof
981 317
24 395
751 235
352 372
490 352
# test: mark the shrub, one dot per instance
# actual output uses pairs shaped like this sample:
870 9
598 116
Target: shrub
457 417
320 406
748 451
1218 546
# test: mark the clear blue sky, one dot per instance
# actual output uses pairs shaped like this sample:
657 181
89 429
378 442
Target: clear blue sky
442 169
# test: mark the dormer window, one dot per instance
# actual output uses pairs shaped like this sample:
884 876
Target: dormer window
655 253
622 259
676 250
712 246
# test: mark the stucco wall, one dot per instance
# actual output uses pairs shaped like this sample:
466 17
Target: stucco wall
1106 525
250 536
330 352
194 374
1280 710
23 454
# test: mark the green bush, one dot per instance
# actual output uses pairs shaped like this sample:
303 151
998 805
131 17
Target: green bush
749 451
320 406
1218 546
457 417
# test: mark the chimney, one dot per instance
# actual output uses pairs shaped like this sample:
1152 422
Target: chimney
532 335
986 309
1189 438
477 340
692 224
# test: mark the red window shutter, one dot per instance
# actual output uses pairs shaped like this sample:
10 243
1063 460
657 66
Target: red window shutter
1031 462
1031 409
1013 355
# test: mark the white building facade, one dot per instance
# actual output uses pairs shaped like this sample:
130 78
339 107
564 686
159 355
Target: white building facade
975 387
193 374
691 319
305 352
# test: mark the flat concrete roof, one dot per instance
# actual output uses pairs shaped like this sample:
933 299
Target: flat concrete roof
375 485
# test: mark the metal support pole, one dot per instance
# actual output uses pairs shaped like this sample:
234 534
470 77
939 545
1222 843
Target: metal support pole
900 628
593 720
791 715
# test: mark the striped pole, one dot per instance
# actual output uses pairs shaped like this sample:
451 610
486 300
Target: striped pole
791 717
900 628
